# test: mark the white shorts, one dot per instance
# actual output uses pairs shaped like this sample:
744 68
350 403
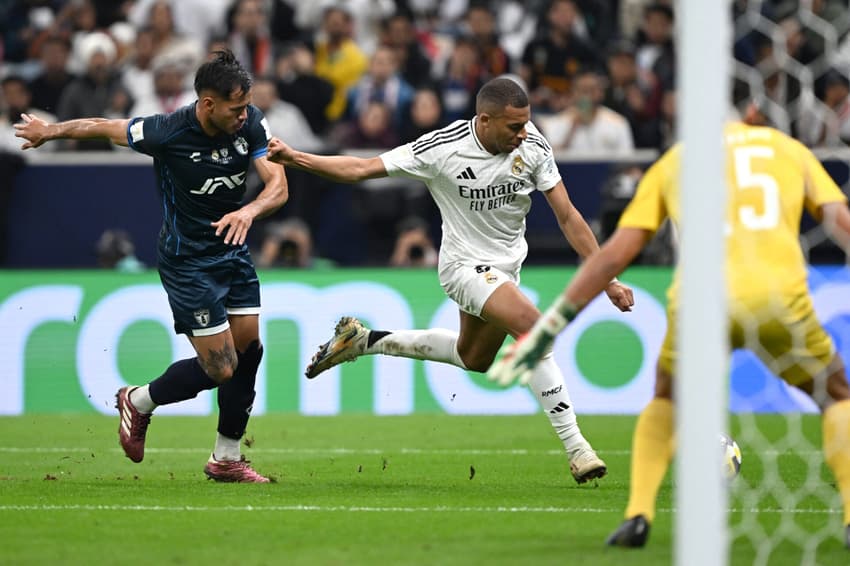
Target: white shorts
471 285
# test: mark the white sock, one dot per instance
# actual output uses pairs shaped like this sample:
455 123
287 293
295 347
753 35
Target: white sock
547 384
436 345
140 397
226 449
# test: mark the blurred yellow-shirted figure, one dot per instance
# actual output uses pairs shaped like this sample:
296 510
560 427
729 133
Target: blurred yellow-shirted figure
770 178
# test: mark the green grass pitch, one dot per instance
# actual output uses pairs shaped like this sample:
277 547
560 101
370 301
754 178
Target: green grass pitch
358 489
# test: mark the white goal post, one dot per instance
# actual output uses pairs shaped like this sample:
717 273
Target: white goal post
704 41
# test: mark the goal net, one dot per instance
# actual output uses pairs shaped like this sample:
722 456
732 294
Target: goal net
791 59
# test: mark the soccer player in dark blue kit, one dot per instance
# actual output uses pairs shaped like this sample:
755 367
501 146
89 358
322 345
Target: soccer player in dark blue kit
201 155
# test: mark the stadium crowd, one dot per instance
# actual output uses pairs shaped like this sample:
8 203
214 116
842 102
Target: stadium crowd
371 74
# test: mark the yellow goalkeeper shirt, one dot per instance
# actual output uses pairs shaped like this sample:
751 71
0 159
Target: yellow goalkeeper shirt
770 177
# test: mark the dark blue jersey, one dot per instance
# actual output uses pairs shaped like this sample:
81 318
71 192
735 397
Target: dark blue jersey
201 178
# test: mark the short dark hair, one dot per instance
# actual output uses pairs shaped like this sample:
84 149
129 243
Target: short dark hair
222 75
499 93
659 8
337 8
15 79
57 40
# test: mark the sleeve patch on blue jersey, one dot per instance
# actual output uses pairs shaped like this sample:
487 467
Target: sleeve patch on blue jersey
264 123
137 131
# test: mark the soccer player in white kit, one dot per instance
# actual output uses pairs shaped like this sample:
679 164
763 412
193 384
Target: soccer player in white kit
481 173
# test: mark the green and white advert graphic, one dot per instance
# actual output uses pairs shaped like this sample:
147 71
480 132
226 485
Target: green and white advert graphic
70 339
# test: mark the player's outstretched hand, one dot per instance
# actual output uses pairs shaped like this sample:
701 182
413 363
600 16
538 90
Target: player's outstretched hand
280 153
621 296
32 129
523 355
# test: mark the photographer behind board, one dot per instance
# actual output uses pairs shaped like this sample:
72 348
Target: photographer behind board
289 243
413 246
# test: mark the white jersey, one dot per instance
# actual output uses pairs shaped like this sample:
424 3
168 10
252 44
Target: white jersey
483 198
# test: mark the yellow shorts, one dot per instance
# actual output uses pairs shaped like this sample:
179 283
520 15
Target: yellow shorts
784 333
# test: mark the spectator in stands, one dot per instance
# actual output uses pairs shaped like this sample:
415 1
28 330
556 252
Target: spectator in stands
631 13
597 17
636 96
284 119
382 83
413 246
198 19
16 99
76 20
779 88
115 250
666 131
460 81
551 61
298 84
398 34
586 127
371 128
797 44
137 74
99 92
282 22
169 88
124 37
834 18
215 44
48 85
826 123
306 192
655 50
250 39
366 17
425 115
18 31
167 41
338 58
492 61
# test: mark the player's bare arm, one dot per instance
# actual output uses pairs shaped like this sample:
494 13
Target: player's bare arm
275 193
341 168
600 268
36 131
581 238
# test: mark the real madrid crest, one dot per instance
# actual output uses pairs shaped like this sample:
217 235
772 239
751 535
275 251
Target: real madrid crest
518 166
241 145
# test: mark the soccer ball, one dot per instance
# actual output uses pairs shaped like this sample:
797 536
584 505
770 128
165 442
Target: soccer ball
731 456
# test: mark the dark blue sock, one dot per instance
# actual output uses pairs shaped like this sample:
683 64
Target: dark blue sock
182 380
236 396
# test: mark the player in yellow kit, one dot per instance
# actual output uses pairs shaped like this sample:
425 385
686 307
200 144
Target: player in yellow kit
770 177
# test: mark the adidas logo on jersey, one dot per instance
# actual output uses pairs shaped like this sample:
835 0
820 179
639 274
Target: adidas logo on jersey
467 173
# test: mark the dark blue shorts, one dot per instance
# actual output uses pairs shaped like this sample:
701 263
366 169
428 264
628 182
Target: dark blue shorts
203 291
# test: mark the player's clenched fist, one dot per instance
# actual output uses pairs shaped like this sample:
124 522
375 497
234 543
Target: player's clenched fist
281 153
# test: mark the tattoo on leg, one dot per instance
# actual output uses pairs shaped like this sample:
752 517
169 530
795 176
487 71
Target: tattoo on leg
219 363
